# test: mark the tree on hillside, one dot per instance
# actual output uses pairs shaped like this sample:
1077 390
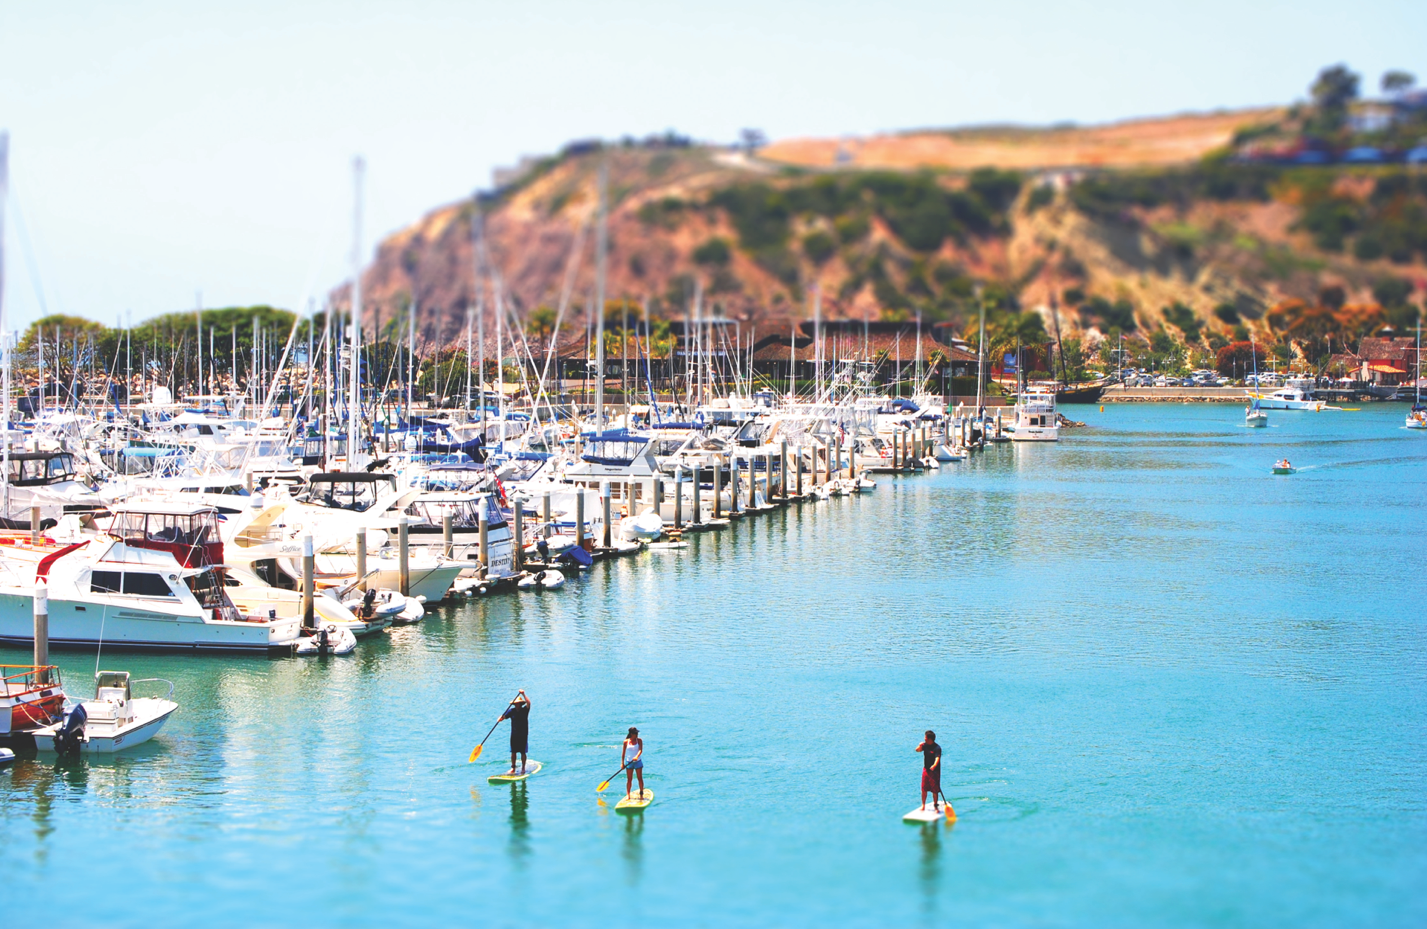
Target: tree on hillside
1334 89
1239 358
1397 81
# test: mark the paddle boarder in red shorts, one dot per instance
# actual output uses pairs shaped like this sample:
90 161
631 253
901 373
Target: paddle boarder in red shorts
931 769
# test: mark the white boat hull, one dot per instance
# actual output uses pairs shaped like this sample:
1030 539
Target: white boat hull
107 743
1036 434
131 626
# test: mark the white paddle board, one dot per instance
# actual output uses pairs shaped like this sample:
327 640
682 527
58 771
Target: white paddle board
510 777
927 815
636 801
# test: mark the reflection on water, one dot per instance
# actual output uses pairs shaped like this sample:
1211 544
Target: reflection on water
633 850
929 870
519 822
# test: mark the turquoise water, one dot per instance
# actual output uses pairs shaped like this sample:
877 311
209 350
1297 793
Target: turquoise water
1172 689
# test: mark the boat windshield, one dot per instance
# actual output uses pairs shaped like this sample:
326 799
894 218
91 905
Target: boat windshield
355 495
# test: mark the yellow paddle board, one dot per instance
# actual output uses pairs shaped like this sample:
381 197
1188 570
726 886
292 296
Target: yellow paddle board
635 802
516 774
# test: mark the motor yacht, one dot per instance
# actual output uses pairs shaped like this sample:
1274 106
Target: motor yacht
1036 419
1288 398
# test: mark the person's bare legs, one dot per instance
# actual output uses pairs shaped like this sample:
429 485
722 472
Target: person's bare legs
641 783
629 780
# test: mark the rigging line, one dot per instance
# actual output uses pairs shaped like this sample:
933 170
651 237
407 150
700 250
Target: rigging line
567 290
28 249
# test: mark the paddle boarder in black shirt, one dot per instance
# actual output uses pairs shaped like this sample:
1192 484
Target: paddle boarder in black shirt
931 769
519 715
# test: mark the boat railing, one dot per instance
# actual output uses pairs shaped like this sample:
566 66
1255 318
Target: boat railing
156 680
23 678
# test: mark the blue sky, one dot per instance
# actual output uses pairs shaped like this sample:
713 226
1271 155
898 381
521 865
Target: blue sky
163 149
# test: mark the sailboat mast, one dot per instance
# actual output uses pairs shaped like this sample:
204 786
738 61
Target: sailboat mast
198 313
410 354
4 321
354 404
477 245
980 349
818 339
601 247
499 355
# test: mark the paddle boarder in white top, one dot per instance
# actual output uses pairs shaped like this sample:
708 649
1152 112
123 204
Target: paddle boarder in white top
631 756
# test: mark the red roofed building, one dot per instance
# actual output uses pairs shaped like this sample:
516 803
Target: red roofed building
1387 360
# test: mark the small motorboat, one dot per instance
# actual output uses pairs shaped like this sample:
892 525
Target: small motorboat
413 612
646 526
328 639
114 720
866 483
672 545
1283 467
387 604
549 579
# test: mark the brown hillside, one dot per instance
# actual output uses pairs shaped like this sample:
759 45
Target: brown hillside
893 245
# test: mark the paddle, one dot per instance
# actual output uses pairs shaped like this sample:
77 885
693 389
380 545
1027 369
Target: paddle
476 752
605 783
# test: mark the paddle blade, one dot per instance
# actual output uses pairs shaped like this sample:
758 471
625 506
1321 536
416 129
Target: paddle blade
604 785
950 813
475 753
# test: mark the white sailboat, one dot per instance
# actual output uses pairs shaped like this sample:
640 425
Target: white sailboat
1417 416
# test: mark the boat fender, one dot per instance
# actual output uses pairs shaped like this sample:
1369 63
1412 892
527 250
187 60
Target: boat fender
70 737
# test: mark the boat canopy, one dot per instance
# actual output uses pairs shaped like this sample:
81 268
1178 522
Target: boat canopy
33 469
348 490
617 447
189 533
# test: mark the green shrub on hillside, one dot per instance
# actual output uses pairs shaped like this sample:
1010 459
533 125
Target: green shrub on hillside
1107 196
714 252
1041 196
917 208
819 247
1183 319
1119 315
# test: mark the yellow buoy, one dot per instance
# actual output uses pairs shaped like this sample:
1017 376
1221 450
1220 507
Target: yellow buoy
1102 408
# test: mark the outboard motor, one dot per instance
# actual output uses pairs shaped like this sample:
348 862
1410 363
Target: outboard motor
324 644
69 738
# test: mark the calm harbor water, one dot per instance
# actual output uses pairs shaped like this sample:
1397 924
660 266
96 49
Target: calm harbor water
1171 688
